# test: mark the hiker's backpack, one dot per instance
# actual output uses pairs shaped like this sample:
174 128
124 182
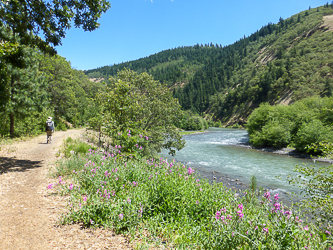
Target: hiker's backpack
49 126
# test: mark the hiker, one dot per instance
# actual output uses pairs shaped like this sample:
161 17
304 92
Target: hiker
49 129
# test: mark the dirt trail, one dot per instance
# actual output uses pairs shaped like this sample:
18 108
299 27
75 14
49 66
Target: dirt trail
29 213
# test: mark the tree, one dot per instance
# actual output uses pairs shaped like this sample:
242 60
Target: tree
25 95
136 106
28 19
21 24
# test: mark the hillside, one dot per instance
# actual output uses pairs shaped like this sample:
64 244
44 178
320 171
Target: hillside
279 64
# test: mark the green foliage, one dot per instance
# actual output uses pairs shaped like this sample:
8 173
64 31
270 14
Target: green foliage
28 20
317 185
323 148
75 147
168 202
306 122
196 123
313 132
137 106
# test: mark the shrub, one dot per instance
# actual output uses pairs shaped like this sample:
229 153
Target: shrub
312 133
165 200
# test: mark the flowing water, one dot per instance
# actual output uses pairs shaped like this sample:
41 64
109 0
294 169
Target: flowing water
216 156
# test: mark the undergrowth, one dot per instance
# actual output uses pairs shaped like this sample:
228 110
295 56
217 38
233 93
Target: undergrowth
153 200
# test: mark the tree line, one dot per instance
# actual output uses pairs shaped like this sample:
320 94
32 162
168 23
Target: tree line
229 82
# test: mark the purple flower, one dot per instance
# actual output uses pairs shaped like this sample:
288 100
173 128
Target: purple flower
190 171
71 186
265 230
240 206
85 198
240 214
217 215
197 202
276 197
267 195
306 228
129 201
50 186
121 216
277 206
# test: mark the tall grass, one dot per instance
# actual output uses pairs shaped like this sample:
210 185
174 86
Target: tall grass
159 201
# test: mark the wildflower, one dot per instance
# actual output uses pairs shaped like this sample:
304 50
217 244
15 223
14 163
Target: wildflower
217 215
129 201
306 228
247 232
267 195
74 171
140 135
190 171
121 216
71 187
233 234
197 202
277 206
200 189
180 175
197 180
85 198
265 230
50 186
146 138
240 214
240 206
328 232
140 211
224 210
276 197
91 222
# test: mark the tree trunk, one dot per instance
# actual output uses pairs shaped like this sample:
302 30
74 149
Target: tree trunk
11 117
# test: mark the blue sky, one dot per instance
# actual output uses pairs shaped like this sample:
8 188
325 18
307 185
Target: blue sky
133 29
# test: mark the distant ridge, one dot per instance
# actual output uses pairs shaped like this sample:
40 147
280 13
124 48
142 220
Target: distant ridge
279 63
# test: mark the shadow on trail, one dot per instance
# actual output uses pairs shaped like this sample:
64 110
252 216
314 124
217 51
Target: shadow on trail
15 165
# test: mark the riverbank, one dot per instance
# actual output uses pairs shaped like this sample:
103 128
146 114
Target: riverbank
286 151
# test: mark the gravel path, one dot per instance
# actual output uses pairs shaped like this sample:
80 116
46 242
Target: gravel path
29 213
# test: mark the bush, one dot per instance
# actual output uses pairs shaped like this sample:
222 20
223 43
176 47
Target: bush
312 133
77 147
196 123
166 201
273 134
301 124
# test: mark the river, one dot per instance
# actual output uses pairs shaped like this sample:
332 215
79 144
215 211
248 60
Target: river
216 156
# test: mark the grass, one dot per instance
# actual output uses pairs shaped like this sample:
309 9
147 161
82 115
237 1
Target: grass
191 132
154 201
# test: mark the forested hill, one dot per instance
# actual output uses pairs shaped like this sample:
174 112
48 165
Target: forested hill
279 63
